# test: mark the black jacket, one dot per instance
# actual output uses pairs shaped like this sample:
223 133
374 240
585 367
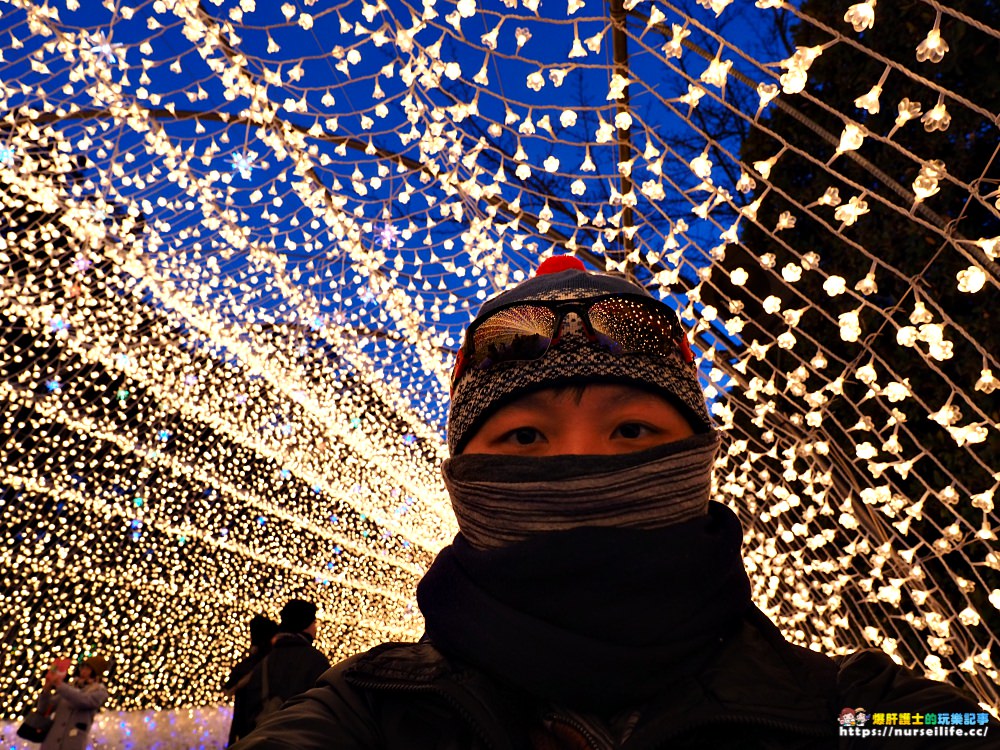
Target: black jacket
759 693
246 695
293 666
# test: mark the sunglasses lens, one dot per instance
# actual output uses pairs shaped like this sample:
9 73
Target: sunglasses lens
517 333
626 326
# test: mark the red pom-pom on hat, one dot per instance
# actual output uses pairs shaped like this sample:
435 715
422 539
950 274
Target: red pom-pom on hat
558 263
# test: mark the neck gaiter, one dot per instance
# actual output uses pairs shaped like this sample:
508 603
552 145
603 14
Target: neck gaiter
502 500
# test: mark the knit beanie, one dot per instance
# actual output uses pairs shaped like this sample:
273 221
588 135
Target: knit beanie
297 615
574 359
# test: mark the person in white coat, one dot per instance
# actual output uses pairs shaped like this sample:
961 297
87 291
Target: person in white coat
74 705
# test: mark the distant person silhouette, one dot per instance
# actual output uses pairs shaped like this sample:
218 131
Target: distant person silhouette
246 697
294 664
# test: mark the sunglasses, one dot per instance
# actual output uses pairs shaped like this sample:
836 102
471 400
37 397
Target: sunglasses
523 331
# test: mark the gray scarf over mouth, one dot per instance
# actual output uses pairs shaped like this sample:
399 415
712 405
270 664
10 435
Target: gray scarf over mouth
502 500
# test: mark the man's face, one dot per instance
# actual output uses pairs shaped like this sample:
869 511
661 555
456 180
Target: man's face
604 420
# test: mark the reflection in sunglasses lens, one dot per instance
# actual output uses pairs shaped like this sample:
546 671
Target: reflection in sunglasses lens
634 328
517 333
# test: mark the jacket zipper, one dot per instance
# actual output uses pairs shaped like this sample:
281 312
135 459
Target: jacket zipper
449 699
571 722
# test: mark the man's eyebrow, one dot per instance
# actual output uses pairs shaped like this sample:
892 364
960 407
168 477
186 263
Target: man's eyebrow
632 394
541 400
531 401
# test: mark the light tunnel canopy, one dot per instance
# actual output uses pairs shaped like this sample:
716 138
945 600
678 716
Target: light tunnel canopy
241 241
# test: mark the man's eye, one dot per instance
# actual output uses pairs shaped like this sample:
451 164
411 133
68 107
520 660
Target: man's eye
525 435
633 430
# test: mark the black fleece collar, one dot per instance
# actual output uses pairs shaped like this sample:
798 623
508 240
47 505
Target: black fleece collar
592 618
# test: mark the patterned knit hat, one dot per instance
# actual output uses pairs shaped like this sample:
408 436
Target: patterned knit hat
573 360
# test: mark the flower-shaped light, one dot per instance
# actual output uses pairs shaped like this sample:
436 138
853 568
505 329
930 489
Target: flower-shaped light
862 15
936 118
926 183
932 48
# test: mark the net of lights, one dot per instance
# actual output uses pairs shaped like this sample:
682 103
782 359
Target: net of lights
242 240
